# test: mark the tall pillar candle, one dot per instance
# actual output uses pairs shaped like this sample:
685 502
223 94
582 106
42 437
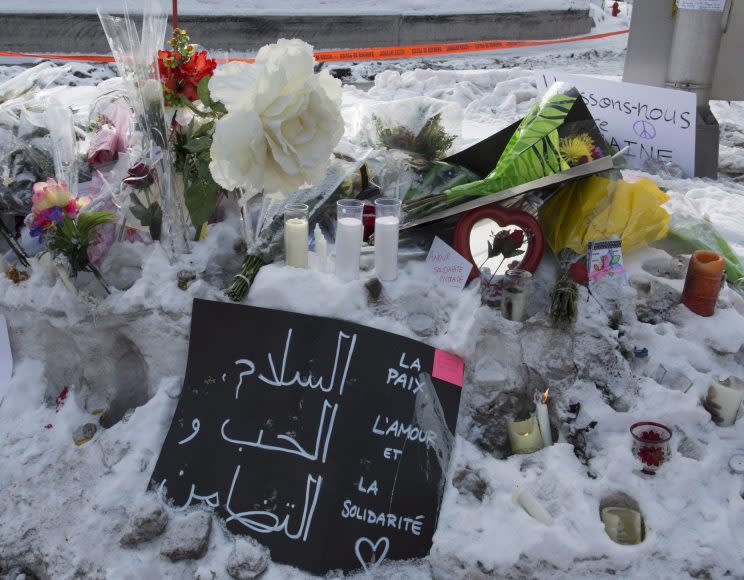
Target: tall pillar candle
349 234
703 282
387 229
295 235
724 399
543 417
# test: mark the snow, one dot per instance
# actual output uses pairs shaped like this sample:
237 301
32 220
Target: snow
64 508
301 7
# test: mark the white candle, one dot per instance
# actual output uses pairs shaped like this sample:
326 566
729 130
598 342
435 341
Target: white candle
386 247
321 249
727 399
349 233
524 436
543 417
514 304
295 242
623 525
531 505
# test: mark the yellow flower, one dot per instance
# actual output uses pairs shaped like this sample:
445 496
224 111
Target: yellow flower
577 149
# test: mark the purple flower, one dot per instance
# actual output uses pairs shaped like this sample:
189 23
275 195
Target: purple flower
597 153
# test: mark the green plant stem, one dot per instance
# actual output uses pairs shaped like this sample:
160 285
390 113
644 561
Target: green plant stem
97 273
14 245
244 279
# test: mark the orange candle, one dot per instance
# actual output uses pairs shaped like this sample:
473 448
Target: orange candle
703 282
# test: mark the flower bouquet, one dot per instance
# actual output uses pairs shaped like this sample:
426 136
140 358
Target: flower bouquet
556 141
139 68
60 221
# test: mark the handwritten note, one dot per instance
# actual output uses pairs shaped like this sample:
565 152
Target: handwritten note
655 123
448 267
311 435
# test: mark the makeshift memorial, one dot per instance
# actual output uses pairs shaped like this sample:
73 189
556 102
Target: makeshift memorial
651 444
295 235
321 249
387 228
516 294
59 219
623 525
349 232
724 399
531 505
598 208
543 417
366 418
705 275
524 435
137 62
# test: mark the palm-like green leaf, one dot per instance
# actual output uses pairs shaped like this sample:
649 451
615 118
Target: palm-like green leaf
532 152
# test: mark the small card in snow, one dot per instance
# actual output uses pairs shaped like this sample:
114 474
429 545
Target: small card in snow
605 258
449 268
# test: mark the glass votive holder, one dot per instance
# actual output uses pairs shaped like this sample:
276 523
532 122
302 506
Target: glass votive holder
387 228
295 234
349 234
515 294
651 444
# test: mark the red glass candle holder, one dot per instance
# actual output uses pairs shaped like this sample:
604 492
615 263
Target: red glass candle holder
651 444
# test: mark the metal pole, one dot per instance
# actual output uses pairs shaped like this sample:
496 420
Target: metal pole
174 17
694 52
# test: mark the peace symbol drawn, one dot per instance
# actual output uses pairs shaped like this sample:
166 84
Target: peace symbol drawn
644 129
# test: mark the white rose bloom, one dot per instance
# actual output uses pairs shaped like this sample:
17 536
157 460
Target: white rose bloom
282 124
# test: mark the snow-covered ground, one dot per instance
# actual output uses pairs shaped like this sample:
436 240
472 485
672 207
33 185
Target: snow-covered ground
303 7
64 508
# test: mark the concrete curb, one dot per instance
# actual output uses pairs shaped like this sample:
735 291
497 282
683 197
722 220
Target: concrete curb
82 33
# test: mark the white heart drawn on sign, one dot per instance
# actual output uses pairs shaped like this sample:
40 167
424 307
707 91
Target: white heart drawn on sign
375 560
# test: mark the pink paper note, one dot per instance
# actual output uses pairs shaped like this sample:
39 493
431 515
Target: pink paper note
448 367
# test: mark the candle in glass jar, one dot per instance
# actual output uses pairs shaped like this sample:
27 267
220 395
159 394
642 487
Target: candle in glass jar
703 282
349 234
623 525
725 398
524 436
387 226
295 235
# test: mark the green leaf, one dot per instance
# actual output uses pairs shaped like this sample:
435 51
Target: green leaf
203 91
198 145
201 202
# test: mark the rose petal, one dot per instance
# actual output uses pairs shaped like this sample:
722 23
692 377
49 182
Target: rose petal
238 151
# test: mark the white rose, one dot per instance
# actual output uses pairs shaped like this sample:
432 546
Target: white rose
282 124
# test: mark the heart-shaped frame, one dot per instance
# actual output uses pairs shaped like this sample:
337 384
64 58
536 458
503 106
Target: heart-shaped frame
503 217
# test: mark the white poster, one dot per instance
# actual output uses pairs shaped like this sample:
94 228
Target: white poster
716 5
654 123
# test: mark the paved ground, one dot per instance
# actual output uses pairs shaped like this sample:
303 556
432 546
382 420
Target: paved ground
82 32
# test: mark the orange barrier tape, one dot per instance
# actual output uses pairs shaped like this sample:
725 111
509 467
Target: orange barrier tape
360 54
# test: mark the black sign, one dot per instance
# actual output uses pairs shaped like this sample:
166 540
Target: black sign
325 440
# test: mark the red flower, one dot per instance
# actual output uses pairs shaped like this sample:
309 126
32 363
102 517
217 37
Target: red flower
182 78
